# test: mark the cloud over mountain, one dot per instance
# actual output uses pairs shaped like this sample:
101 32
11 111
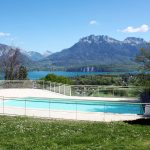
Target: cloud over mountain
131 29
4 34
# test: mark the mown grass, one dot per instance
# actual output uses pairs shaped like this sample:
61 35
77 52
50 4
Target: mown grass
19 133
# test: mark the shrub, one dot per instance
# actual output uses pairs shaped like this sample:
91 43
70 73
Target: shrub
145 96
58 79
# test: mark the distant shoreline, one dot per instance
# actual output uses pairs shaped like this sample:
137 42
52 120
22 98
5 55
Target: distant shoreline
37 74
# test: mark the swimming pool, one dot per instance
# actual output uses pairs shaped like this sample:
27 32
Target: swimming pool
75 105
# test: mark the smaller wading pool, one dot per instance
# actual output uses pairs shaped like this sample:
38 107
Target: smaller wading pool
75 105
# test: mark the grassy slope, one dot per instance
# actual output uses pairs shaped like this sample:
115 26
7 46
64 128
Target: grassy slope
25 133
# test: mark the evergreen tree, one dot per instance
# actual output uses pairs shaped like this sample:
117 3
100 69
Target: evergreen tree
22 73
144 58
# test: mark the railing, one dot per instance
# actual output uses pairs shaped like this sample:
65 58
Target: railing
105 91
74 90
73 109
37 84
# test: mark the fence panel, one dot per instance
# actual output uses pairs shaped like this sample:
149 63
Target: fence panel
37 108
73 109
74 90
105 91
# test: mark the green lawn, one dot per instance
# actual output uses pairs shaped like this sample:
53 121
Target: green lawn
21 133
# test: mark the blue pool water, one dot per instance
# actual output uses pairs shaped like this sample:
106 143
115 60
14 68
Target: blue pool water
73 105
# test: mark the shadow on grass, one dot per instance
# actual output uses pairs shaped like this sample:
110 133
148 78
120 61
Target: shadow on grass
143 121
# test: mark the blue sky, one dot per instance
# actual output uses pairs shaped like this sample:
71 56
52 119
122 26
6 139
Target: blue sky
54 25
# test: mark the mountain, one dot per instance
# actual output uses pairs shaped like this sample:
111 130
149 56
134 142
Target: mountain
26 61
98 50
36 56
29 59
3 47
47 53
91 53
134 41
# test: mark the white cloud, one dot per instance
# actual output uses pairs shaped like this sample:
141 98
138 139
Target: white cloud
131 29
93 22
3 34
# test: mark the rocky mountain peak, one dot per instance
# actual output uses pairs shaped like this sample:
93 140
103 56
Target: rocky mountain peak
134 40
98 39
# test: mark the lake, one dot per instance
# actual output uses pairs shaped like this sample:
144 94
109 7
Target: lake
34 75
39 74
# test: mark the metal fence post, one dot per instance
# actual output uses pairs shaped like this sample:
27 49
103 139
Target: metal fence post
76 112
113 92
43 84
3 105
54 87
32 84
92 91
50 86
59 88
104 112
97 90
64 89
70 90
49 108
84 91
25 107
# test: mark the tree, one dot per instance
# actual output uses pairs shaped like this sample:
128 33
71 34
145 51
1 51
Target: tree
11 64
144 58
22 73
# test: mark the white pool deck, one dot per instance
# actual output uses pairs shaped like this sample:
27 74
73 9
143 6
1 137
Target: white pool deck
60 114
